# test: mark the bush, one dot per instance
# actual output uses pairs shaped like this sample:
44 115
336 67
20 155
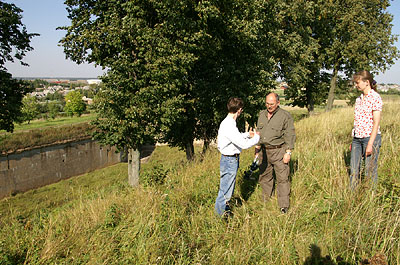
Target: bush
154 176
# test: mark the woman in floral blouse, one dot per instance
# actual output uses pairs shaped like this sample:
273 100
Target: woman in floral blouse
366 132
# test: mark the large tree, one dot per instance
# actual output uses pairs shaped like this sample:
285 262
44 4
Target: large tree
171 66
233 58
14 43
297 52
326 38
355 35
139 98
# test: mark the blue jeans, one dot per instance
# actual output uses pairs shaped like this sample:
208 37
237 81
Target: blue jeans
358 147
228 167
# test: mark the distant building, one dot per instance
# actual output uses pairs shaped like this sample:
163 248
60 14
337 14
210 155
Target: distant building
57 81
387 87
88 101
94 81
65 92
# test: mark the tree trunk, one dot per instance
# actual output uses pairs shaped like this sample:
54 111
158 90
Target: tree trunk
206 144
124 155
331 95
189 150
310 109
310 105
133 167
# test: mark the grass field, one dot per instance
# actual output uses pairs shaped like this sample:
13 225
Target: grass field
97 218
45 132
35 124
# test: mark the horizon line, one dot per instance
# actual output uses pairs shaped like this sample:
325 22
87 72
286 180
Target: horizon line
48 77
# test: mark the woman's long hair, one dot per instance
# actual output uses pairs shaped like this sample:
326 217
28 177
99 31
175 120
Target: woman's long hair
364 75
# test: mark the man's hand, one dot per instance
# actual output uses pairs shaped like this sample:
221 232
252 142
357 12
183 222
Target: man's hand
286 158
257 150
253 132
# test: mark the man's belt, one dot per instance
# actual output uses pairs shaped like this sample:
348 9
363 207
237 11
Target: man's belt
235 155
268 147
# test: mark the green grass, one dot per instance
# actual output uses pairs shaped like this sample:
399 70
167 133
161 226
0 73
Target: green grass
97 218
45 132
35 124
22 140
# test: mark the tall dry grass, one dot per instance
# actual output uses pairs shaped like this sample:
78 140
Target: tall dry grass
98 219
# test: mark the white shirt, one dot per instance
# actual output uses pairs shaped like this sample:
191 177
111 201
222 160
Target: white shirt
230 141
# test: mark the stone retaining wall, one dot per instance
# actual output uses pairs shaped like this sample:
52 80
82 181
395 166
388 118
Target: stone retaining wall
42 166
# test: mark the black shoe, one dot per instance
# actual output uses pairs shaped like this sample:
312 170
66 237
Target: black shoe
227 216
284 210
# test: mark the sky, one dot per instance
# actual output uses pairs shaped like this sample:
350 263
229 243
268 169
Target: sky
48 59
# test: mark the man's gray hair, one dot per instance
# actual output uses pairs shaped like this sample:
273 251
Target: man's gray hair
275 94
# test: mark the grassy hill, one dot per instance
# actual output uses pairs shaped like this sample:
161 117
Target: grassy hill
98 219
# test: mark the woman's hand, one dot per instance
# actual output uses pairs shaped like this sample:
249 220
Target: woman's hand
368 150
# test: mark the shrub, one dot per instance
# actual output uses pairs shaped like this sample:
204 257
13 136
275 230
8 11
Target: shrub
154 176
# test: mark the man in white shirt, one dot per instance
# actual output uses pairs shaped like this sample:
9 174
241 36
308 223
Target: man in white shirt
230 144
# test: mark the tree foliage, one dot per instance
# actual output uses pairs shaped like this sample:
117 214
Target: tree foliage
30 109
14 43
58 96
11 93
54 108
172 65
327 38
37 83
14 39
297 51
74 103
356 35
231 60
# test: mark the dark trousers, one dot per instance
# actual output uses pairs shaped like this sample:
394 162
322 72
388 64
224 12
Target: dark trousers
272 160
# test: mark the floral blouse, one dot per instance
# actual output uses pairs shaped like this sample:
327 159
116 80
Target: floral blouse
364 106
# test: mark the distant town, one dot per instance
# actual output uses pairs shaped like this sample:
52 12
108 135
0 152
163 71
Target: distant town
62 86
388 87
65 85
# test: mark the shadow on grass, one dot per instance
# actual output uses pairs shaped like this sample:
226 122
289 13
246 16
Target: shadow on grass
13 258
248 185
316 258
346 157
249 182
299 116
